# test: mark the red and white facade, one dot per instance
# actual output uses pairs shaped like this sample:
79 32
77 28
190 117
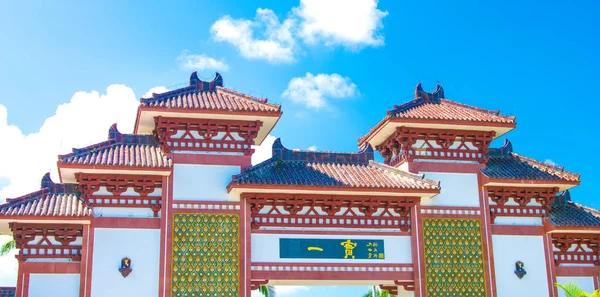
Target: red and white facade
190 154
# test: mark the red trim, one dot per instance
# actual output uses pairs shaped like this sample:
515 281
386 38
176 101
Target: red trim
550 267
592 271
163 227
517 230
125 169
416 167
520 182
337 189
58 219
418 265
167 111
245 262
331 275
88 273
455 122
596 282
133 223
248 246
487 230
202 159
25 292
332 232
84 260
51 267
169 237
20 281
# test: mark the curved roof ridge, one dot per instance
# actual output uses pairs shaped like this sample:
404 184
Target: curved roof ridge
114 137
47 186
404 173
248 97
546 167
362 157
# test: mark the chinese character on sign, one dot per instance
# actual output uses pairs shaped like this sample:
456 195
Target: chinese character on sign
349 246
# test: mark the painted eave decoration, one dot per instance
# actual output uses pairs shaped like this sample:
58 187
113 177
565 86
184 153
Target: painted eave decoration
140 154
207 100
318 170
433 110
504 167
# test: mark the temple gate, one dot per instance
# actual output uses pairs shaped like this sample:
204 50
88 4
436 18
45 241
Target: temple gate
177 208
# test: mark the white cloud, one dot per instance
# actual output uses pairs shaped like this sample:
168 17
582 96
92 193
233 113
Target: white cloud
264 151
191 62
312 148
264 38
82 121
352 23
9 264
314 90
155 90
284 291
550 162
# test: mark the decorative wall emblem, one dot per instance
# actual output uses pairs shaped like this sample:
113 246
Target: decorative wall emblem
326 248
125 269
520 270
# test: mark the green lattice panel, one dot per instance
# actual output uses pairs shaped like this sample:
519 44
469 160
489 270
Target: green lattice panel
205 255
454 263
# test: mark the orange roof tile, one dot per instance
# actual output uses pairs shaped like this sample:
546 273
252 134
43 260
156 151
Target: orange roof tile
434 107
209 96
503 163
127 150
57 200
327 169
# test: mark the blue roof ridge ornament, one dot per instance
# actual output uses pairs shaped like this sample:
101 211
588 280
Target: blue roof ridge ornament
430 97
47 186
363 157
195 85
562 198
507 148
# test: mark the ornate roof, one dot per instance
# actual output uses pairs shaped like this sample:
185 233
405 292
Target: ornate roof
566 213
434 107
127 150
60 200
329 169
209 96
503 163
8 291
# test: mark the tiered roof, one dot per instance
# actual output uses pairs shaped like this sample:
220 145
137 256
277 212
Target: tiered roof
504 164
212 95
296 168
52 200
123 150
433 108
566 213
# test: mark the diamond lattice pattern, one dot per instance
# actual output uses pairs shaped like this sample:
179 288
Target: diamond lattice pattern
205 255
454 258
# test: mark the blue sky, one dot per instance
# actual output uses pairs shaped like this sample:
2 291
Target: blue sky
343 67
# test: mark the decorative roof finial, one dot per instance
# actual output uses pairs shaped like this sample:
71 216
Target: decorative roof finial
431 97
507 148
47 182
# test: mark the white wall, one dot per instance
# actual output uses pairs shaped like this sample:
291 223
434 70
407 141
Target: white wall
202 182
265 248
508 250
112 245
53 285
457 189
520 221
585 283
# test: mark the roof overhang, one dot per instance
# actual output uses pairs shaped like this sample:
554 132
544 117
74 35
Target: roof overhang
4 220
551 228
561 185
237 190
388 127
67 172
144 123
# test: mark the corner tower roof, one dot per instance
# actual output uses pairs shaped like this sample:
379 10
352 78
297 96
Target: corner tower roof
203 99
432 110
